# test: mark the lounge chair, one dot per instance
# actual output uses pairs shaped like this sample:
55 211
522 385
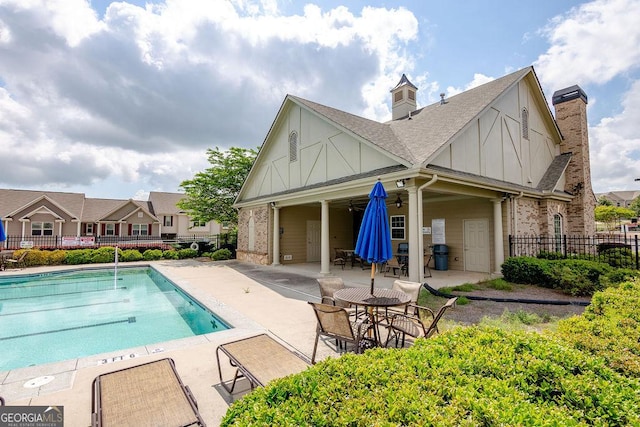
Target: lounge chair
414 324
16 263
334 322
151 394
259 359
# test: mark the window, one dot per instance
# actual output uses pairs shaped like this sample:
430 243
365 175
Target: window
293 146
397 227
110 230
42 229
397 96
90 228
557 232
168 221
525 123
199 224
412 95
139 230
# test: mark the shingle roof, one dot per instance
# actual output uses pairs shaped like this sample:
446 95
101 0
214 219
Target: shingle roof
12 200
418 138
165 203
554 172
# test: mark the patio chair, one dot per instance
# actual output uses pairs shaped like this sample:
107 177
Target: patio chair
414 324
16 263
393 268
259 359
410 288
147 394
427 260
340 258
334 322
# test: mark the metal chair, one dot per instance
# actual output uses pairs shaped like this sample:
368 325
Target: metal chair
340 258
334 322
393 268
414 324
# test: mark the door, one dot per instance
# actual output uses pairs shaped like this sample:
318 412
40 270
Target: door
476 245
313 241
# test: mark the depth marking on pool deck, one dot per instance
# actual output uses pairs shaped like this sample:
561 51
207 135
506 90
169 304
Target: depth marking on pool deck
126 300
129 320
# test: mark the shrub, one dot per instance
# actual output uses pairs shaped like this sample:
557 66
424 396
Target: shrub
152 254
469 376
170 254
618 257
130 255
103 255
549 255
527 270
78 256
609 328
57 257
221 254
187 253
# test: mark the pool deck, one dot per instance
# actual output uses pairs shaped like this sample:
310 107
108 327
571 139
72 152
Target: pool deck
253 299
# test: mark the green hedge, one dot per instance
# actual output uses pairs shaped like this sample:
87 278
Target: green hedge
468 377
573 276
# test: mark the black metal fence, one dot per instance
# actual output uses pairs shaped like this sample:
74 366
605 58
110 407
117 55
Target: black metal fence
615 249
209 242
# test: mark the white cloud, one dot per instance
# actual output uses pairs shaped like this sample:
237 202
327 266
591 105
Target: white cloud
592 43
615 147
141 94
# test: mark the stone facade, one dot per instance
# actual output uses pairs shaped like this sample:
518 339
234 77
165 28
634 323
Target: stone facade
571 116
548 210
527 217
260 239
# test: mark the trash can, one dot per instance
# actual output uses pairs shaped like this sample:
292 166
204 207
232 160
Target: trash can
440 256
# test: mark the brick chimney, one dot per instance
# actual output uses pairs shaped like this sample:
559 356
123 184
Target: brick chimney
571 115
403 98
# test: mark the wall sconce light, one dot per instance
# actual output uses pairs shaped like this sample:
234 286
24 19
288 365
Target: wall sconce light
273 204
398 202
577 187
350 206
400 183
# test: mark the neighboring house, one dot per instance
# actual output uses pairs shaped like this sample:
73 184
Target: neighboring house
30 214
467 172
622 199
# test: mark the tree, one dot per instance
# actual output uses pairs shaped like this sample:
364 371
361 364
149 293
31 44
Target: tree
603 201
211 193
611 215
635 206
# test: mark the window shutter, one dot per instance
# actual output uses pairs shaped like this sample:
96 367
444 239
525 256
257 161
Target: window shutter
130 229
149 229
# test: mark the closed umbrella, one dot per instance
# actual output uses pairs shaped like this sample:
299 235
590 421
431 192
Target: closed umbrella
3 236
374 238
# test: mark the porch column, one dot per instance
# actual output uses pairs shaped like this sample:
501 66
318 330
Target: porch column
325 254
79 229
276 236
415 257
498 245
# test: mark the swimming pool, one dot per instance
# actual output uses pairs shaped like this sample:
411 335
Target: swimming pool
77 313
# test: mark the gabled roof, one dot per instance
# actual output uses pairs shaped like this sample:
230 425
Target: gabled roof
165 203
12 201
553 174
432 127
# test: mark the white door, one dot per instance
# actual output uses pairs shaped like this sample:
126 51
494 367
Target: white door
313 241
476 245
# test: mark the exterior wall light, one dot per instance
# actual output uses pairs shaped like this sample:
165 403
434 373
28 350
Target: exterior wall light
400 183
399 202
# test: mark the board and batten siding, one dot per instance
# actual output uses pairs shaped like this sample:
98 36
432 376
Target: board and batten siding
492 145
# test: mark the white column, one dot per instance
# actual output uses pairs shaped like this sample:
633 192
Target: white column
415 256
276 236
325 254
498 235
79 229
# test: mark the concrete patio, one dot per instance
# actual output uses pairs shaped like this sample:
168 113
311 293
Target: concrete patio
253 299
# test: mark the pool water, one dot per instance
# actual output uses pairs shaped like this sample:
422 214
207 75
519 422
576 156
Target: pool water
65 315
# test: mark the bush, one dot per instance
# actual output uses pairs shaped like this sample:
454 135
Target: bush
469 376
103 255
221 254
78 256
525 270
187 253
152 255
609 328
170 254
618 257
130 255
549 255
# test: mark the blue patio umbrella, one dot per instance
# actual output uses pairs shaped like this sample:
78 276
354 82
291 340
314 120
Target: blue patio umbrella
374 238
3 236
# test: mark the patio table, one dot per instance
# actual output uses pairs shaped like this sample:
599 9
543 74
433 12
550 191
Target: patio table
380 298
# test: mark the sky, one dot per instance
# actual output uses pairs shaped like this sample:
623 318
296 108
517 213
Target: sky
117 99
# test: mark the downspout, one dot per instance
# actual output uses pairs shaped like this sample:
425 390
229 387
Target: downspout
432 181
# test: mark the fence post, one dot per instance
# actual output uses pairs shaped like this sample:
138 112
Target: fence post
510 247
637 255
